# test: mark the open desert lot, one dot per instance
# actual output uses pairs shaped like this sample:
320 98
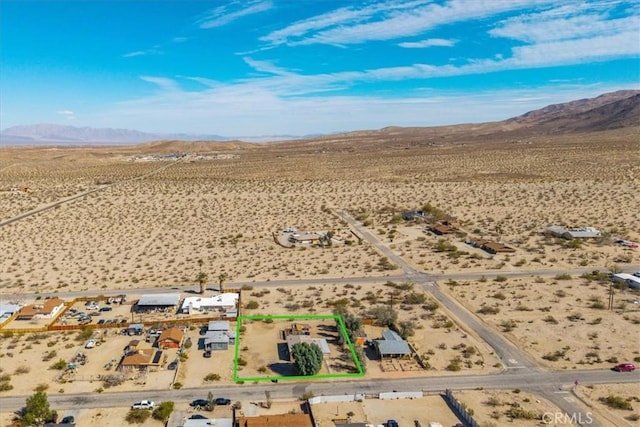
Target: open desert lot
152 231
616 403
563 322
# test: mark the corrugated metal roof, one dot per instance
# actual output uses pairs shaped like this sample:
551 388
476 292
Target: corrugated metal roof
391 347
159 299
390 335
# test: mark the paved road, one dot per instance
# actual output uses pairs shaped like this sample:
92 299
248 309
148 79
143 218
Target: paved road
561 382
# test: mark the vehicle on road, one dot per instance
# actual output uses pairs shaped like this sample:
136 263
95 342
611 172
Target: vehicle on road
222 401
199 402
625 367
143 404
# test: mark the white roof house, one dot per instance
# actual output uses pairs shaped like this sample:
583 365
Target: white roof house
573 233
629 279
224 301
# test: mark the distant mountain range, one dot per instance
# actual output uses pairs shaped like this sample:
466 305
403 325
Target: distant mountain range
42 134
606 112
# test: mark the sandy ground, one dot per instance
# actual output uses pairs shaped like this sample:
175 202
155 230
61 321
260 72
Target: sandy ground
562 322
619 417
153 231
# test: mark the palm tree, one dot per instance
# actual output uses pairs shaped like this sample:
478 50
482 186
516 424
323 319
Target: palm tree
202 278
222 277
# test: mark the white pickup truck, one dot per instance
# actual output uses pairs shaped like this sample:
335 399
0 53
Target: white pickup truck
143 404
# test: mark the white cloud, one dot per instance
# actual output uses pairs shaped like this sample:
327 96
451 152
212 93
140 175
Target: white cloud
134 53
390 20
70 115
223 15
428 43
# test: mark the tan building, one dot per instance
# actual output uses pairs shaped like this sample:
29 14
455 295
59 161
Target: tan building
279 420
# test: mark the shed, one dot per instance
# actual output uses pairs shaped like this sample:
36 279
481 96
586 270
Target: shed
135 329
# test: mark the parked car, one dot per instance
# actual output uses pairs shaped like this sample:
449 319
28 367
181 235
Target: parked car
101 321
173 365
69 419
106 308
207 354
392 423
199 402
625 367
144 404
637 274
90 344
222 401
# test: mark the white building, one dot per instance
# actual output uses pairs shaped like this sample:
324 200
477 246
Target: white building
224 302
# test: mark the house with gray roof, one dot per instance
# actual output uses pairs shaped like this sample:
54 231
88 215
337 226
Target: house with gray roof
392 345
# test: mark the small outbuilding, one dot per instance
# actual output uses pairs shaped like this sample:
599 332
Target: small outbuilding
631 280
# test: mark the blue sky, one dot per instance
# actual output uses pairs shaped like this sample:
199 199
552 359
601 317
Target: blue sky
297 67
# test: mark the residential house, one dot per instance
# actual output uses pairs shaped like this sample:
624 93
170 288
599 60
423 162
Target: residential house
392 345
298 339
491 246
573 233
226 302
441 229
141 359
412 215
631 280
219 336
170 338
46 309
304 238
276 420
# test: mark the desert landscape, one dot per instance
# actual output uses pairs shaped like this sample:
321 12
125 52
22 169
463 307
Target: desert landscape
156 224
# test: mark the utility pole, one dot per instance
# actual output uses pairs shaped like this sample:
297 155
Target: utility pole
611 290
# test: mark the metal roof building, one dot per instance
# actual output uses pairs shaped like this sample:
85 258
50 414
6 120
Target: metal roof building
392 345
159 300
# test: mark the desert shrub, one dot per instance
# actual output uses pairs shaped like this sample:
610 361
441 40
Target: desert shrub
517 412
212 377
163 411
616 402
112 380
177 385
59 365
415 298
499 295
137 416
550 319
252 305
489 310
242 362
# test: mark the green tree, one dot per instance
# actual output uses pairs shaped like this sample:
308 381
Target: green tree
163 411
202 278
222 277
307 358
384 315
37 410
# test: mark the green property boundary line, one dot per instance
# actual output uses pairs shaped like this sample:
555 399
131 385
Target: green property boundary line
334 317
